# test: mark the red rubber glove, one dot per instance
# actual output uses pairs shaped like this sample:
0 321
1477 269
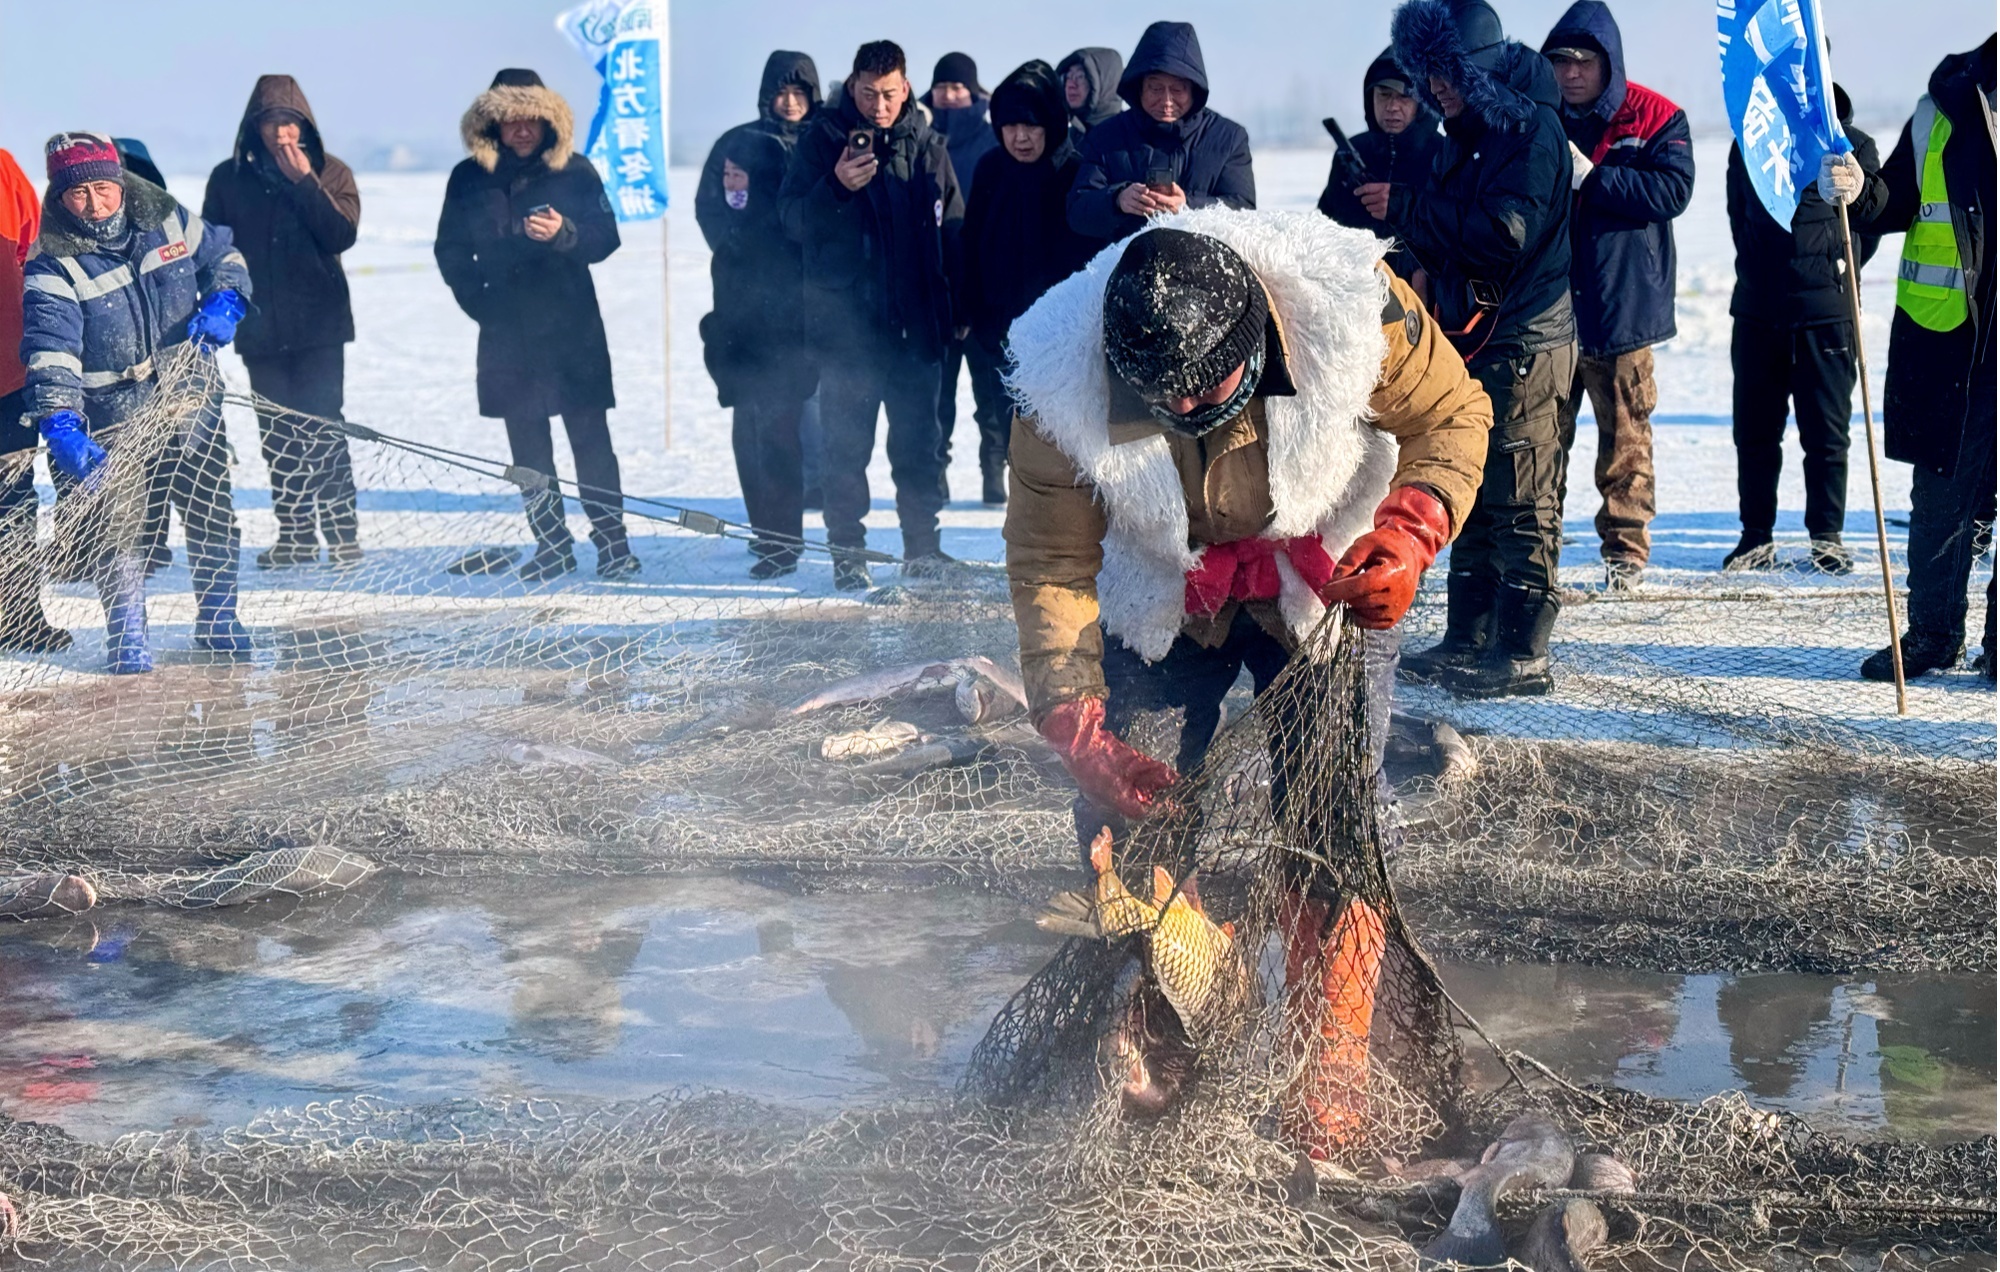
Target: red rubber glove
1377 577
1106 770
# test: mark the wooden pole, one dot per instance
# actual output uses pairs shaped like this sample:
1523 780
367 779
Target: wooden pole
667 335
1874 470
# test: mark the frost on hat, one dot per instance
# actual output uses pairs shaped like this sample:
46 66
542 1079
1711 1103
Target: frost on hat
75 158
1181 312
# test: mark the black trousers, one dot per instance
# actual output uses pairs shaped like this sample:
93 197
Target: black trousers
533 445
992 408
770 468
852 392
1809 371
1951 526
1513 536
18 443
312 475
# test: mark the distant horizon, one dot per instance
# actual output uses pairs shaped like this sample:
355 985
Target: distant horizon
1277 67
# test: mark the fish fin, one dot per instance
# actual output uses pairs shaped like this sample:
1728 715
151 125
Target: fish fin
1069 914
1163 885
1229 930
1100 851
1193 895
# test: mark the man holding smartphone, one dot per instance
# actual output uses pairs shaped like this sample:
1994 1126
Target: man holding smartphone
1168 153
871 197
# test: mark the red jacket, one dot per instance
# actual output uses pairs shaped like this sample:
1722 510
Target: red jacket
20 222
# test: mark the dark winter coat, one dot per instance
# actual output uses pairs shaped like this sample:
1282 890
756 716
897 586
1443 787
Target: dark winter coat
1402 159
542 350
879 262
291 232
1208 154
1491 225
782 69
1795 277
968 135
1939 404
1018 242
1103 68
753 340
1622 227
95 319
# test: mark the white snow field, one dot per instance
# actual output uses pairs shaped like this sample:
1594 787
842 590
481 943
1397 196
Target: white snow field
410 374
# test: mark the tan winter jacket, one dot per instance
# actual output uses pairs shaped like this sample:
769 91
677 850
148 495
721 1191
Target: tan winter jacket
1056 522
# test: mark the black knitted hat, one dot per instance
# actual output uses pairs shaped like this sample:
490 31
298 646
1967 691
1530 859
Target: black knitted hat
517 77
1181 312
957 68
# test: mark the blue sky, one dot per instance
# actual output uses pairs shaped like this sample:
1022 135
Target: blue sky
383 74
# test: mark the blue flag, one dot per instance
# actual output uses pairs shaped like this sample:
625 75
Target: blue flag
1779 92
625 41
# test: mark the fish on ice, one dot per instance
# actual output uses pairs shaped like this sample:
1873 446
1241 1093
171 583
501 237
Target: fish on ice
1532 1152
45 896
982 688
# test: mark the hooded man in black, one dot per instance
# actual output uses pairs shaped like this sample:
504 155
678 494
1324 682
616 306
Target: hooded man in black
958 109
753 338
1089 79
294 209
879 228
1490 229
1396 147
1170 151
1018 243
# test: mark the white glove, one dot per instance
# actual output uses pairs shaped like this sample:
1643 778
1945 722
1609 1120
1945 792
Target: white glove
1579 167
1840 179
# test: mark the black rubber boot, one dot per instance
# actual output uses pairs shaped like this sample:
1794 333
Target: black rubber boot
1517 666
1923 653
1468 628
992 476
850 573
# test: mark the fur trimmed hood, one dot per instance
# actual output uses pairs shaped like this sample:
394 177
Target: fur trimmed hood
1327 467
480 127
146 206
1502 86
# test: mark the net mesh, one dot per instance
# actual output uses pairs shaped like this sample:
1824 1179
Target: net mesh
1697 795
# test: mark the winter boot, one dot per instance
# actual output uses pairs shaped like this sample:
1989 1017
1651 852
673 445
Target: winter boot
283 555
992 476
122 588
548 563
1517 664
1754 551
850 573
1468 629
1830 556
1923 653
216 628
1623 575
1333 968
555 547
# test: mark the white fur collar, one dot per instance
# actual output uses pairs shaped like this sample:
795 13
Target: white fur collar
1328 469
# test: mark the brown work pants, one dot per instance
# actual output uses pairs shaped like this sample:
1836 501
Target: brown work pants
1622 395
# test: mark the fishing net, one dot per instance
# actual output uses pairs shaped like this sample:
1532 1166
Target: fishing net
1707 789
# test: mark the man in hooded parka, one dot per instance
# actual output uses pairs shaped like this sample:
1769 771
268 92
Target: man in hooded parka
1396 154
525 217
754 337
294 209
1632 166
1203 157
1089 80
1490 229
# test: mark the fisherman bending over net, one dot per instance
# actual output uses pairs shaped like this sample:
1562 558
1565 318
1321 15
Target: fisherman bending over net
1213 412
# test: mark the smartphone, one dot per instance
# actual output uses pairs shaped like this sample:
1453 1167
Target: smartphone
540 209
1159 179
860 142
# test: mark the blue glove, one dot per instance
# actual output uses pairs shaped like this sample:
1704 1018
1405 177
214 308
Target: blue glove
71 449
214 324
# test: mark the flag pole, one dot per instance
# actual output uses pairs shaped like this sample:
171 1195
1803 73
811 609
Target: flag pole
667 339
1874 469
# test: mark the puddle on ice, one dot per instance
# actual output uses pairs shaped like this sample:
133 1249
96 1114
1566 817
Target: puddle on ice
417 990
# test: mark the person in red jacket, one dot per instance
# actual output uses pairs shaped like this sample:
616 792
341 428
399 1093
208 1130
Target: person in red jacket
23 626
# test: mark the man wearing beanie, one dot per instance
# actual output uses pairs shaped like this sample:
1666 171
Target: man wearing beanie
958 107
294 209
122 276
1490 230
1227 425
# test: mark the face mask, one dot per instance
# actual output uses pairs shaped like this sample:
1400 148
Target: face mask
737 199
1204 420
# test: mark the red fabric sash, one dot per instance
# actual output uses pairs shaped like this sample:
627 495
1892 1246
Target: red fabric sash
1247 570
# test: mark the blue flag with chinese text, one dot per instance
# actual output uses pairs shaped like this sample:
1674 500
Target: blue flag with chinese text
626 41
1779 92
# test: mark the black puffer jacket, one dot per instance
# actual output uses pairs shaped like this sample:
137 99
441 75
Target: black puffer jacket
1103 68
753 340
291 232
1939 404
1795 277
1402 159
879 262
783 69
541 338
1018 243
1491 225
1208 155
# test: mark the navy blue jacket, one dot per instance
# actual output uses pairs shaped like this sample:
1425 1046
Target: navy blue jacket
1398 158
1491 226
1208 154
1621 230
95 320
968 136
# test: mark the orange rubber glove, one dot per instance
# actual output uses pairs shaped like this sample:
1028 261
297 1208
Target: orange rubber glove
1106 770
1377 577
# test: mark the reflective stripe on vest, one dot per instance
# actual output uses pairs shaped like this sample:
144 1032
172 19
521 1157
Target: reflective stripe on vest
1930 279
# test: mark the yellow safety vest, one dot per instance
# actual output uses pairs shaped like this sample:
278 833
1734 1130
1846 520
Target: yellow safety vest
1930 279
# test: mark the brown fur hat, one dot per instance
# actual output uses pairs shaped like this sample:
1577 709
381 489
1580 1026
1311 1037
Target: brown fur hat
518 95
